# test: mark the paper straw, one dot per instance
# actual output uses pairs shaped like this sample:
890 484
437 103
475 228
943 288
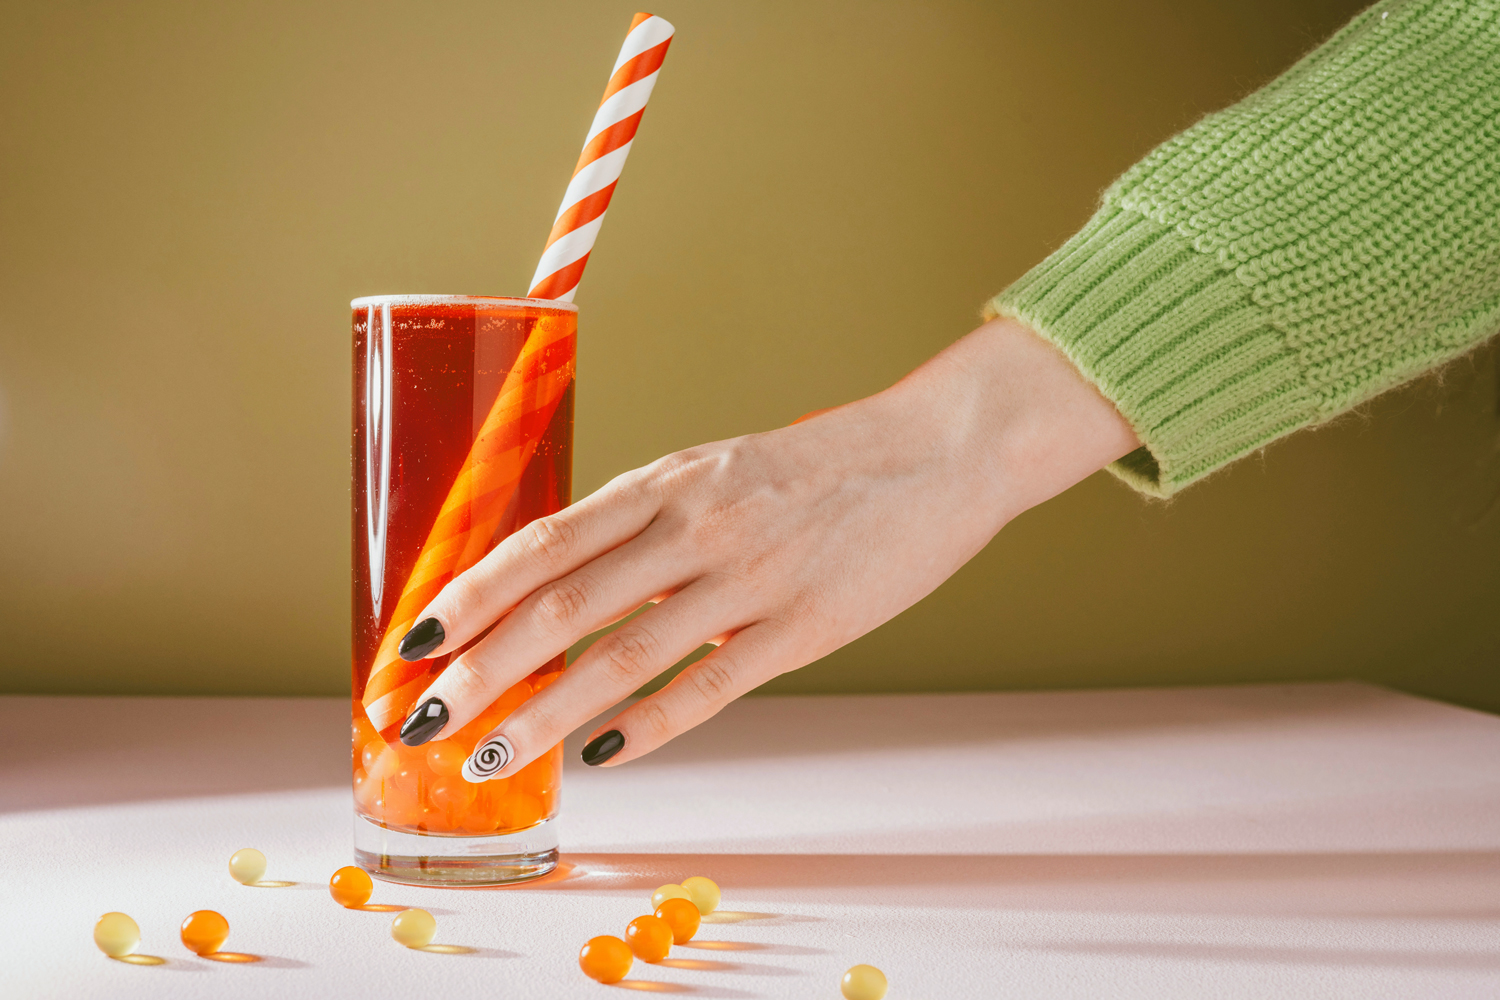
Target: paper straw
603 157
536 382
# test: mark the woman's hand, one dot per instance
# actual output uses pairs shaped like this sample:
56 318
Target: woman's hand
778 547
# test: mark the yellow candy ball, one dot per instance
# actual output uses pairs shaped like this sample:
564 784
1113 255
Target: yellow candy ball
703 892
669 891
116 934
413 928
247 866
863 982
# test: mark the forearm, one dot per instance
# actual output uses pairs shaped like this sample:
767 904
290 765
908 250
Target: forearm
1014 420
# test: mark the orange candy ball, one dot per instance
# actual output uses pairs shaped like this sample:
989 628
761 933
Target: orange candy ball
682 916
350 886
445 758
650 938
605 959
204 932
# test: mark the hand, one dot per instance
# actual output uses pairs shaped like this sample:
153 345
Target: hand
777 547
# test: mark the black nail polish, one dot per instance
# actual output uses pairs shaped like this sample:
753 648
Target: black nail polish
425 636
425 723
603 748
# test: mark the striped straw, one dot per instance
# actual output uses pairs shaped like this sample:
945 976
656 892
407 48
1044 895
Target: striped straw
602 159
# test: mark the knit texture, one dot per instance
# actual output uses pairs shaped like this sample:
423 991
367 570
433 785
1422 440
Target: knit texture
1329 237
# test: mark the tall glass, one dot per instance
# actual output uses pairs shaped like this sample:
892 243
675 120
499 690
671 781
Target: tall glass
427 373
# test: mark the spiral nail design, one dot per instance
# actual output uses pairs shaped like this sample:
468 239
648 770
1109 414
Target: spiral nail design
488 758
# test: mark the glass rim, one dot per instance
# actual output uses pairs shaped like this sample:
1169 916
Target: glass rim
421 299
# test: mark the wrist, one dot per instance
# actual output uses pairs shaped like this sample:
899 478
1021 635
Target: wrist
1013 417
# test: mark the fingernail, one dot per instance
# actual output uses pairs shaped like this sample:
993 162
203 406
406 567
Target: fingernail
488 759
425 723
602 748
425 636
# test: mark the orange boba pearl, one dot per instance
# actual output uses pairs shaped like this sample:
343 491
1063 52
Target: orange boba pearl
605 959
445 758
452 793
650 938
204 932
682 916
350 886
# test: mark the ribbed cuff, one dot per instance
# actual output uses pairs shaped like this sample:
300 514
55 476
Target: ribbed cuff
1172 339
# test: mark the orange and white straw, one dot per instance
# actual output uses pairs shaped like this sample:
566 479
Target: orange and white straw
481 494
603 157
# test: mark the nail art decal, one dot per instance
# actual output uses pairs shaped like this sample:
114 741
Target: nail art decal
425 723
602 748
488 758
425 636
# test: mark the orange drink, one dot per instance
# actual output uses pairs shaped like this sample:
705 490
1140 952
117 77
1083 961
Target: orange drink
463 433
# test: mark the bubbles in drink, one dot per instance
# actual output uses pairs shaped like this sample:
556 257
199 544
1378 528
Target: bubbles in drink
682 916
116 934
650 938
703 892
247 866
863 982
413 928
605 959
350 886
204 932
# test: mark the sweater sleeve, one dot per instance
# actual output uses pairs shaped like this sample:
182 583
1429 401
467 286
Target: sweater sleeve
1329 237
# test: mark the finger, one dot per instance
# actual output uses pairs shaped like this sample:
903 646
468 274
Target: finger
543 550
554 617
613 667
748 659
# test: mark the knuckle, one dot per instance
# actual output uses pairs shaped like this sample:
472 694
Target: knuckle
466 680
653 719
462 594
626 654
560 604
550 540
712 679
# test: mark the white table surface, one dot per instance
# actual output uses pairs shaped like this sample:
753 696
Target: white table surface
1331 840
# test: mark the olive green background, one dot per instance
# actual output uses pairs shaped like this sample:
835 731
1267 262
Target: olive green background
822 195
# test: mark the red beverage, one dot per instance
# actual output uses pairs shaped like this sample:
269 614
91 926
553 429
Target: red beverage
427 374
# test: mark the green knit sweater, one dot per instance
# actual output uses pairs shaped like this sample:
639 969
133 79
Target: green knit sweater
1329 237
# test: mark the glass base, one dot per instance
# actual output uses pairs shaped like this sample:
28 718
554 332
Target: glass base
419 859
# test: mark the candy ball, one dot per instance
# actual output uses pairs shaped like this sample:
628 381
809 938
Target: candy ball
350 886
650 938
863 982
413 928
682 916
669 891
116 934
247 866
703 892
605 959
204 932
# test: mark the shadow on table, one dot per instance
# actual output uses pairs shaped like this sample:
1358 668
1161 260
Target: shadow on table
759 728
1455 885
167 748
1277 954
